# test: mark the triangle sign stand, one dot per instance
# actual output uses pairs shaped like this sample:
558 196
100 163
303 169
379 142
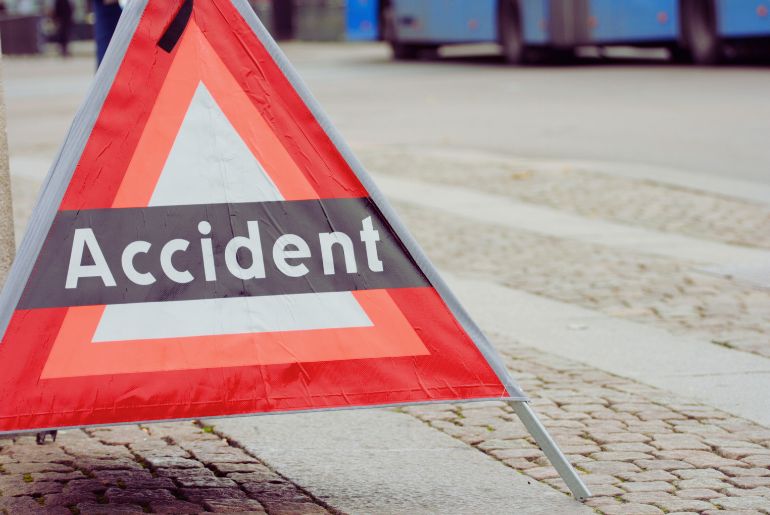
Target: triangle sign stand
207 245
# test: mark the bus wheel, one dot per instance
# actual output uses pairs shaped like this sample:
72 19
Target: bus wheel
401 51
511 35
699 25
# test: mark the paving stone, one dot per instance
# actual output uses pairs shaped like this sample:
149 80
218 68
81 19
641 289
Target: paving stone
603 490
746 472
175 506
85 485
119 435
213 445
601 501
158 451
541 473
600 479
758 434
703 494
22 504
204 494
628 447
295 508
91 465
97 451
647 497
521 453
224 457
185 473
14 487
609 467
678 442
736 453
112 477
255 477
648 486
648 475
179 431
728 441
742 503
107 509
620 456
699 459
172 462
761 491
69 498
120 496
55 510
496 445
759 460
228 468
205 482
663 464
693 473
32 468
750 482
57 476
631 509
705 482
577 458
670 505
233 506
272 492
519 463
619 437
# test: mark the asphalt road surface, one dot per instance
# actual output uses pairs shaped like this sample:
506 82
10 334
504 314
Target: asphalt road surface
713 121
703 120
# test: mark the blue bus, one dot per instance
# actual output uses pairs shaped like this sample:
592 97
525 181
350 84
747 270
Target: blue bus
697 30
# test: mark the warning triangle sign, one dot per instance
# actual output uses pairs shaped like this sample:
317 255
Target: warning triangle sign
206 245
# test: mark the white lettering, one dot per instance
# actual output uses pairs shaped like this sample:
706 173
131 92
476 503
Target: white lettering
370 237
81 239
208 252
254 245
281 254
127 260
167 254
328 240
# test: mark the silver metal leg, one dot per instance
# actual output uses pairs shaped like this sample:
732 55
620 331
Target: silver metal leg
551 450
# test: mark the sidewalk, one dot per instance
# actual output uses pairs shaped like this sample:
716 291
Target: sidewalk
645 359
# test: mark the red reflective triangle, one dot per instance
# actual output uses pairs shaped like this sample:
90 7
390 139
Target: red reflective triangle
216 125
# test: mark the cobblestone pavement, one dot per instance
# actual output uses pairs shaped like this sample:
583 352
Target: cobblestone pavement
639 449
631 201
159 468
617 282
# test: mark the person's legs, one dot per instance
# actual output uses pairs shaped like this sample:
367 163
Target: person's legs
106 19
65 33
283 19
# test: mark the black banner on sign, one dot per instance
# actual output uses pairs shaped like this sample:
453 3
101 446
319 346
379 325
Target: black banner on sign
115 256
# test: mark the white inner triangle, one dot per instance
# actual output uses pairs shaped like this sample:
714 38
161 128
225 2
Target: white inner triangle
209 163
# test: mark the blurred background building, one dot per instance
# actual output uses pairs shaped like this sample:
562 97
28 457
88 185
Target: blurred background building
701 31
25 25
